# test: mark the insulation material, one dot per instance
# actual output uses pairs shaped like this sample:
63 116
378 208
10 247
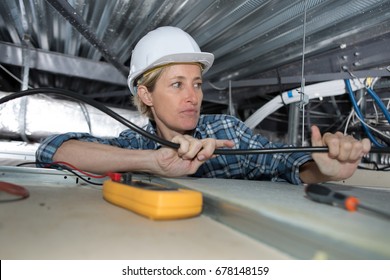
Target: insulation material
39 116
16 152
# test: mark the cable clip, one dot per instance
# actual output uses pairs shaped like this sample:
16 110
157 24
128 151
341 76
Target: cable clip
304 100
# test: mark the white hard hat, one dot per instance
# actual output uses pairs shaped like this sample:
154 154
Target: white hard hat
162 46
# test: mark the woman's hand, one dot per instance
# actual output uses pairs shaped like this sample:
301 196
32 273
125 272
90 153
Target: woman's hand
191 154
344 156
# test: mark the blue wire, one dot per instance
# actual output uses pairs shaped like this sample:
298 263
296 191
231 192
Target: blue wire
359 113
380 103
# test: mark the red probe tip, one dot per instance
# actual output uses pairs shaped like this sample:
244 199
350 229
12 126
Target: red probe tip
116 177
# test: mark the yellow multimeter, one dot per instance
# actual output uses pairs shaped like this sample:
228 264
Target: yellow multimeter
154 201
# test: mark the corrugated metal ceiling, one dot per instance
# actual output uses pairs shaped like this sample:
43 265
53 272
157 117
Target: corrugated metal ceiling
257 44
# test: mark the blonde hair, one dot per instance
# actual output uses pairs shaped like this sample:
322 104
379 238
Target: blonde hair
149 80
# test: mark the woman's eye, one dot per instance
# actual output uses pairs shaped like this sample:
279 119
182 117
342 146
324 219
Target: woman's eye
198 85
176 85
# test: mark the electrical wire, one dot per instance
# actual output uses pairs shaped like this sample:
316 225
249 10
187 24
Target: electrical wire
61 165
360 115
373 128
357 113
350 116
373 95
377 168
93 103
85 112
78 170
379 103
58 166
129 124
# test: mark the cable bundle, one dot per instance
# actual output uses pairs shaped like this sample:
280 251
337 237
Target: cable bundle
358 112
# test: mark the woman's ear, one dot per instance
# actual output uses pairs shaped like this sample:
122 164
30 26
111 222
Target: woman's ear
145 95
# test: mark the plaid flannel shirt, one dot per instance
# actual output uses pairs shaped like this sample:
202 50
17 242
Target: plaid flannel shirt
273 167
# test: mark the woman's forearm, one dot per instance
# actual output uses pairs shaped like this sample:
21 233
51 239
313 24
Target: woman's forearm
100 158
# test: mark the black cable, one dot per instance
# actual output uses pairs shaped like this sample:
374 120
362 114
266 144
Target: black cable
61 167
93 103
129 124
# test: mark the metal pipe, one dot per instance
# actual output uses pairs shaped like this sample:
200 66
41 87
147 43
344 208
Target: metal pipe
23 102
293 124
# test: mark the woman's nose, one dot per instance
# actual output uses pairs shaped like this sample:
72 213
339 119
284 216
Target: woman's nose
192 95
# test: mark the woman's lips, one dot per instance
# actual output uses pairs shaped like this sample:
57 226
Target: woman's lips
190 112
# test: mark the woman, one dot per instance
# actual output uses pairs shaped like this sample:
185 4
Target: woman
165 79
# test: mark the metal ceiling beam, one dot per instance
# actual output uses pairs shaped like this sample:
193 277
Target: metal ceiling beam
297 79
372 53
185 20
144 25
71 15
266 23
287 38
62 64
228 20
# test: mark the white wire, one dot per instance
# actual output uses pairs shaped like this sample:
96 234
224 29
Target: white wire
354 114
372 128
351 114
376 112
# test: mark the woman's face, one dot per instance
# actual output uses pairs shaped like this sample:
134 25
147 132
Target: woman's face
176 99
